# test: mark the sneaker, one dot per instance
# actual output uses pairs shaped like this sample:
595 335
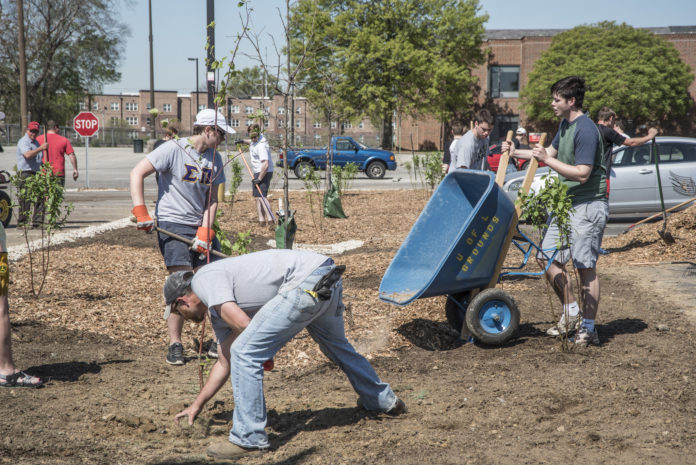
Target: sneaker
175 354
398 408
227 450
585 337
212 350
564 326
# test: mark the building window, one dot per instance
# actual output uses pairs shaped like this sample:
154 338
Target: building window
249 122
298 110
130 106
362 139
167 107
147 121
132 120
114 106
265 123
248 110
333 124
200 107
281 123
82 106
281 110
114 121
504 81
298 124
347 126
298 139
234 123
317 137
361 125
147 107
234 108
133 135
95 106
317 125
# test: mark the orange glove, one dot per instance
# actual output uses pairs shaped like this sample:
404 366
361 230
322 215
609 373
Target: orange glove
202 241
143 219
268 365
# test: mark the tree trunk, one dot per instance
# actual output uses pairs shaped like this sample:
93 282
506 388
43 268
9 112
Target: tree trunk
387 132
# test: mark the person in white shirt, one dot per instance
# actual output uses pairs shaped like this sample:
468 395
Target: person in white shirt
262 166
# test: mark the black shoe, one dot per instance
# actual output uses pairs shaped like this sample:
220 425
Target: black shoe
175 354
212 350
398 408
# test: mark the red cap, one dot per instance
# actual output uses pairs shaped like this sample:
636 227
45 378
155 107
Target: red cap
33 126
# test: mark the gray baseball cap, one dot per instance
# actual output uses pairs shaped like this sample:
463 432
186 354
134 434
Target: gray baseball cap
175 286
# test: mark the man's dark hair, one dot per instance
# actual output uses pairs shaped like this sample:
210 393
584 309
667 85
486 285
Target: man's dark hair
605 114
457 128
484 116
51 124
570 87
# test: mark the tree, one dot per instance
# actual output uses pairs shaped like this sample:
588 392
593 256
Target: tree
251 82
71 46
636 73
391 56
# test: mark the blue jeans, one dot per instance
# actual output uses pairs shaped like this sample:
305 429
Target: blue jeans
270 329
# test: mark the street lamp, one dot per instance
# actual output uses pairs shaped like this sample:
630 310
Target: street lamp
196 60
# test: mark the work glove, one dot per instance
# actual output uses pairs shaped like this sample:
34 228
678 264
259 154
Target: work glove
256 182
204 237
143 219
268 365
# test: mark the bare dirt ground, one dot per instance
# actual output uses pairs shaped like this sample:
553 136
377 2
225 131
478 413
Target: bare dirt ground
98 333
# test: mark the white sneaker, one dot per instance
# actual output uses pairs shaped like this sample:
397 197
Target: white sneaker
564 326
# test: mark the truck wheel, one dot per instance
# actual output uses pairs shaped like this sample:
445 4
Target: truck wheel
375 170
5 208
455 311
492 316
302 169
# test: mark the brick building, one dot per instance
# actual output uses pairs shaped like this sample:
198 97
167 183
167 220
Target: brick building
512 56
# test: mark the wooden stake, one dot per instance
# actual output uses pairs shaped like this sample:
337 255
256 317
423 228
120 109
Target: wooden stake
503 164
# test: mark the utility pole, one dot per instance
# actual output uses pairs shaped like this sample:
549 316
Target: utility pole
210 74
197 104
153 118
22 66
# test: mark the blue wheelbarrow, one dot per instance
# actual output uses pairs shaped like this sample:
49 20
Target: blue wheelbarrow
456 248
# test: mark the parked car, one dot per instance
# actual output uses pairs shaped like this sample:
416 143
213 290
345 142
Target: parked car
374 162
633 178
494 154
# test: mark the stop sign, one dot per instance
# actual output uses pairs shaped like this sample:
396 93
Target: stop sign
86 124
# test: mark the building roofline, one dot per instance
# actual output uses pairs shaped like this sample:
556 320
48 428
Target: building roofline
510 34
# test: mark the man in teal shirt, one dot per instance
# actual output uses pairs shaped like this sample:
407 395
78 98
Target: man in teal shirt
576 155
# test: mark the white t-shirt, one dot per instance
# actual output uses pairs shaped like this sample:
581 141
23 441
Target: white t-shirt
260 151
184 177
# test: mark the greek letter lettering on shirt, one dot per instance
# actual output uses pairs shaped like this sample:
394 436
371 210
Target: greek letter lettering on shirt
196 174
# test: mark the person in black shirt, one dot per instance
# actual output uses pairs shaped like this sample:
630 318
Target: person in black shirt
605 122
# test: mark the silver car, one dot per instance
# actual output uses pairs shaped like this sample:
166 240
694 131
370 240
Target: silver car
633 178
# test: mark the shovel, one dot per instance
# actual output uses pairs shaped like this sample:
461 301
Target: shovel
181 239
664 234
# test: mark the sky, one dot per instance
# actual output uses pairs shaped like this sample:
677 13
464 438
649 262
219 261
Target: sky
179 33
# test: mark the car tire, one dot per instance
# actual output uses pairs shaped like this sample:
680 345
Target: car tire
302 169
5 208
376 170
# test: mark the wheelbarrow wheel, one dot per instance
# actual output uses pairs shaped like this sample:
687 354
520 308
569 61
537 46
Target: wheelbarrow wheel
493 316
455 310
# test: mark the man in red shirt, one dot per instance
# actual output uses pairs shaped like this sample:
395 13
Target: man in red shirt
58 148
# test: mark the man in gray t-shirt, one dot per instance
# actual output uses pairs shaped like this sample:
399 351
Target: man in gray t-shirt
190 171
29 160
471 150
257 303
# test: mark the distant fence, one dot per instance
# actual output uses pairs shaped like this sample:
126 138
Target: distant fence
115 137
